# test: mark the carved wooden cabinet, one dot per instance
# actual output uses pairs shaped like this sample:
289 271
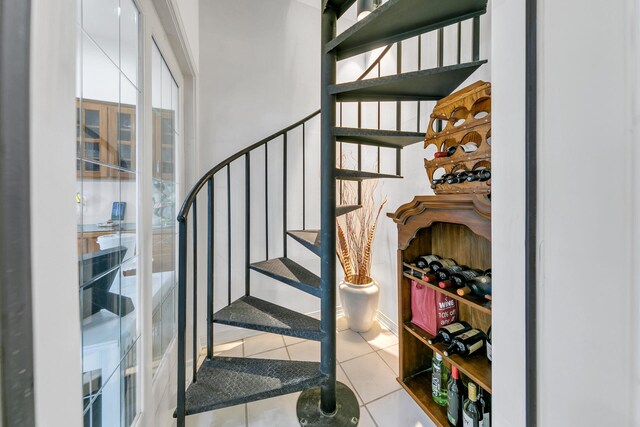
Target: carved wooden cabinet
451 226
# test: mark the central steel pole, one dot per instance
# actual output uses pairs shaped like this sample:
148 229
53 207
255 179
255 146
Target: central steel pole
328 215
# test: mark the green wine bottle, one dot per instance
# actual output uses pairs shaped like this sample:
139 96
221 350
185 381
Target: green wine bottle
471 411
439 377
454 402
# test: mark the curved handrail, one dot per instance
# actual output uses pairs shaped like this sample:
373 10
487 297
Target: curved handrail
184 210
188 201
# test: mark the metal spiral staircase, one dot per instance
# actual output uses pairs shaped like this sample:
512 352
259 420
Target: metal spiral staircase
220 382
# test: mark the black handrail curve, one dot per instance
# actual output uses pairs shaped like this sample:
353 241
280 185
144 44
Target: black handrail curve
184 210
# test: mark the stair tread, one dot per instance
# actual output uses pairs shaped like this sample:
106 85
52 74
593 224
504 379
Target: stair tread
310 239
345 209
398 20
430 85
291 273
379 137
341 6
254 313
229 381
356 175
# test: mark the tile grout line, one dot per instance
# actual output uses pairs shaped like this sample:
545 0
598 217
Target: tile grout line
385 361
370 415
351 382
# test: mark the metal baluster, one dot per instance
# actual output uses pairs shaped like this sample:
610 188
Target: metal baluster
229 233
476 38
284 194
304 180
182 319
379 122
459 41
195 290
359 152
340 161
210 250
440 47
399 71
247 224
419 68
266 201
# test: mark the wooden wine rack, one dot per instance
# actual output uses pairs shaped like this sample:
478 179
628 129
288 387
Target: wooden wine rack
451 226
465 116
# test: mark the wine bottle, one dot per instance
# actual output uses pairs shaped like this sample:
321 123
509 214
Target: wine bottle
466 344
458 178
442 179
489 345
448 332
485 404
445 273
454 399
439 380
479 286
471 410
423 261
481 175
460 278
441 263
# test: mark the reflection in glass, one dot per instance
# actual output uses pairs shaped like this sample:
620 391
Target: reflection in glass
106 135
164 109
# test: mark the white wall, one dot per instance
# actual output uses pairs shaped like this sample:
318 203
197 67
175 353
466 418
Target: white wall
58 379
508 210
586 335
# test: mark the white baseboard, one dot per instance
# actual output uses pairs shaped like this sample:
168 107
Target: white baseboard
387 323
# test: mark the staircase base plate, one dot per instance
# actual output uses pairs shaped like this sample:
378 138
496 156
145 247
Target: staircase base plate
347 412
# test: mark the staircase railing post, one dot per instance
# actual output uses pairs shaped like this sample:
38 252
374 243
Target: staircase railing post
328 215
182 319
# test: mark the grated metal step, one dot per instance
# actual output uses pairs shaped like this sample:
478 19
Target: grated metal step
229 381
355 175
345 209
423 85
310 239
253 313
291 273
378 137
398 20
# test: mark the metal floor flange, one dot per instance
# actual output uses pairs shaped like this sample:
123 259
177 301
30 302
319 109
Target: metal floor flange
347 409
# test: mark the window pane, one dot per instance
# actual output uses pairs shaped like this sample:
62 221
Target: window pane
129 40
100 21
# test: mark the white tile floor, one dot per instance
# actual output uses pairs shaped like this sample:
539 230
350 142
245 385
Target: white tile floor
367 362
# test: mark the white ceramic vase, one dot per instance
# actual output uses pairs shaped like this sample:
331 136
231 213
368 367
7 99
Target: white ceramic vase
360 304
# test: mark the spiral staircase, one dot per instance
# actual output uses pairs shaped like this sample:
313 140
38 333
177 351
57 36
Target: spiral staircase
220 382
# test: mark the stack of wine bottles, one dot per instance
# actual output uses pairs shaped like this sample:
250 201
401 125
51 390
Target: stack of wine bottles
447 389
462 339
447 274
480 174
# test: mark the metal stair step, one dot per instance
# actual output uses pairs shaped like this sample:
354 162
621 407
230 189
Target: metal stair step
288 271
424 85
398 20
345 209
229 381
378 137
340 6
253 313
356 175
310 239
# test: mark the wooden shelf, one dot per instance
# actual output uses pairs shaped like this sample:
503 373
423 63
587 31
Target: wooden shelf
419 388
480 304
477 368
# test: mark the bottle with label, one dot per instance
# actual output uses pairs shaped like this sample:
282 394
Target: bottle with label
460 278
424 260
489 348
446 272
471 410
485 403
467 343
479 286
442 263
454 399
439 379
450 331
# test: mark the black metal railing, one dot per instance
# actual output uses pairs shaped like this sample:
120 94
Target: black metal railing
188 213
